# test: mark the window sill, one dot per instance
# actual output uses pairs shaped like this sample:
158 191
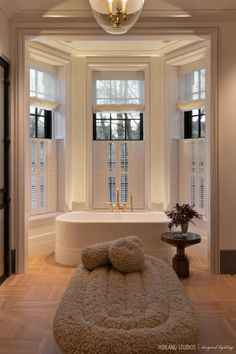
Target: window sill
44 216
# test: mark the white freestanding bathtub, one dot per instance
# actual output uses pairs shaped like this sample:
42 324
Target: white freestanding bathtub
76 230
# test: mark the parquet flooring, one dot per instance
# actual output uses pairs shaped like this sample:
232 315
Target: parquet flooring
28 303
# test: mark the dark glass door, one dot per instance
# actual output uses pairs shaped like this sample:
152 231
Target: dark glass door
4 175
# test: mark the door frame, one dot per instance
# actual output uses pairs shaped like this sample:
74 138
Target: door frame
6 198
23 34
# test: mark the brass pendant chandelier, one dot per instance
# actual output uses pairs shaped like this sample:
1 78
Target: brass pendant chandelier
116 16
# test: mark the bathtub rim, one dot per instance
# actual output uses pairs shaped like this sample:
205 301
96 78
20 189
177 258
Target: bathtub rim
115 219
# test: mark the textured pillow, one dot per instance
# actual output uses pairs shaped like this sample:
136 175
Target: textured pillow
126 255
135 239
96 255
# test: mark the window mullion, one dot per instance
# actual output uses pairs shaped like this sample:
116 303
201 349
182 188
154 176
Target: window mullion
125 126
199 123
110 128
36 122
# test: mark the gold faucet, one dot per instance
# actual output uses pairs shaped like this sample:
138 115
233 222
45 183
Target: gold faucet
118 205
110 206
131 203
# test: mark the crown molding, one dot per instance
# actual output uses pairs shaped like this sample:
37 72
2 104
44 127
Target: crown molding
147 15
48 55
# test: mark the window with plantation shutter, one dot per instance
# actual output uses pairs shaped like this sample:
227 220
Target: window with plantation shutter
192 154
43 92
33 176
192 173
112 168
118 138
201 175
202 193
42 179
124 179
117 172
118 165
192 190
197 148
43 159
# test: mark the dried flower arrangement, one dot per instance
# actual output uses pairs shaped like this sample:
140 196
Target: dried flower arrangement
181 215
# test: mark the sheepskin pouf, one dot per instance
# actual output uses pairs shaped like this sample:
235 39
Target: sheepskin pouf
126 255
105 311
97 255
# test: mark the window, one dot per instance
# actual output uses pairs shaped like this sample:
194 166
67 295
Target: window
192 85
117 172
40 123
197 174
43 176
43 83
192 149
118 139
119 92
194 124
118 126
42 148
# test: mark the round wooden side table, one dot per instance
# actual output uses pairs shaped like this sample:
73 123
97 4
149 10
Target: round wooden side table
180 261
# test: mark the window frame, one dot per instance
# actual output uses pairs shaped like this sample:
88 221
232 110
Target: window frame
47 123
188 124
126 120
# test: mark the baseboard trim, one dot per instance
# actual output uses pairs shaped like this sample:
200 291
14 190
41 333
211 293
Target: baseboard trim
42 244
228 262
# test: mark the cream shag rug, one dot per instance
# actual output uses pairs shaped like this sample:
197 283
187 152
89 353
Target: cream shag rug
107 312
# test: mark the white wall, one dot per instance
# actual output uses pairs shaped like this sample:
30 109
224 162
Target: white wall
171 158
157 132
78 133
4 35
227 136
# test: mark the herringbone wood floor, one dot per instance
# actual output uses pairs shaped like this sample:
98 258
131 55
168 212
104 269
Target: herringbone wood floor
28 303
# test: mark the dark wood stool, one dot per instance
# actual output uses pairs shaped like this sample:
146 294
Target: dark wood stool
180 261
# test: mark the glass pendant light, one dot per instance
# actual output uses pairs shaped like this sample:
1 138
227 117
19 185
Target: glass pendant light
116 16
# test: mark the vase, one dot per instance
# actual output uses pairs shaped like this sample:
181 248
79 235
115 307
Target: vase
184 228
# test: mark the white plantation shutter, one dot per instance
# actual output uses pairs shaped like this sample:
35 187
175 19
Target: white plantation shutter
124 178
43 162
201 176
193 190
111 172
193 172
202 194
42 176
34 179
192 177
51 175
118 165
